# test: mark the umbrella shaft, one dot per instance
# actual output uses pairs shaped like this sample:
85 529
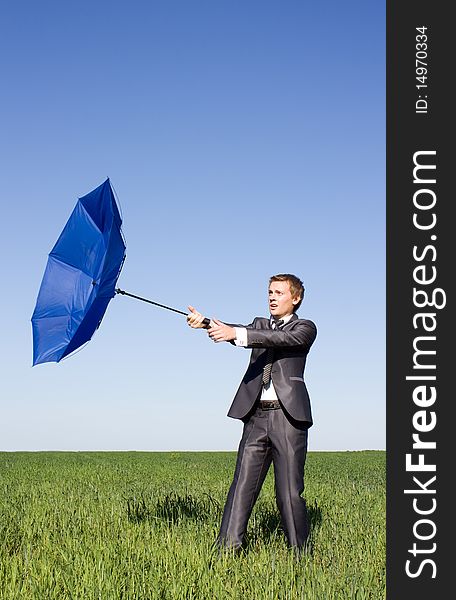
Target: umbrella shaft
119 291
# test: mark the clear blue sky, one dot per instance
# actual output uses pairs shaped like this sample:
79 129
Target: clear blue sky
243 139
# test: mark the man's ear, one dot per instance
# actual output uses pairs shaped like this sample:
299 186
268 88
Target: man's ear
295 300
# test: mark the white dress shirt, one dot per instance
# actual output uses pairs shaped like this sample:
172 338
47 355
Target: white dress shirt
268 392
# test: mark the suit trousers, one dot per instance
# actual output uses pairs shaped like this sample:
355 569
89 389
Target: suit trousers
268 436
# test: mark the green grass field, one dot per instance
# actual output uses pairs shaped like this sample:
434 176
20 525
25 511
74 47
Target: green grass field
131 525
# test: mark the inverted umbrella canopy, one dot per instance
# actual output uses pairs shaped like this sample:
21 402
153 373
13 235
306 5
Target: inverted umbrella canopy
80 277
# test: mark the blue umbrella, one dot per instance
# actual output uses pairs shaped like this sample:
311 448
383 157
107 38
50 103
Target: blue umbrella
80 277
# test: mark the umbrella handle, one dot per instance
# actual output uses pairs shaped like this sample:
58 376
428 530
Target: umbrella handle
206 321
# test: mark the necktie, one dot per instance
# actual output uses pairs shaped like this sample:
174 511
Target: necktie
270 357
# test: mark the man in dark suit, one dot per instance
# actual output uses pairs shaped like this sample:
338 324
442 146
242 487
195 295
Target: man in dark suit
273 403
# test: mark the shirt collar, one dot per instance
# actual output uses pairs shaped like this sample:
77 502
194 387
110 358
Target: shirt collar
284 319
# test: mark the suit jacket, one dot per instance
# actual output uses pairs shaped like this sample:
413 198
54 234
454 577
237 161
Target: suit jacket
291 344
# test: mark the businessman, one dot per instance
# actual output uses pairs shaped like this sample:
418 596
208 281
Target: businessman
273 403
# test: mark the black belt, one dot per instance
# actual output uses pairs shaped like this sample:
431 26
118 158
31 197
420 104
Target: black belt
269 404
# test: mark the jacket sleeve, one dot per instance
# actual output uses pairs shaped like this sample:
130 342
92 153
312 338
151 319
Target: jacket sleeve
251 325
302 334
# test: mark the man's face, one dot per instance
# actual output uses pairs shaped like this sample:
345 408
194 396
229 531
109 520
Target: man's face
280 301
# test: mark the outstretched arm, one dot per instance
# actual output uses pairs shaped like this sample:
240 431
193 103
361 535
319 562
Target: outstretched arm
302 334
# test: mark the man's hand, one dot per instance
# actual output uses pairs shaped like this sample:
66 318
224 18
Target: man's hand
195 319
219 332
